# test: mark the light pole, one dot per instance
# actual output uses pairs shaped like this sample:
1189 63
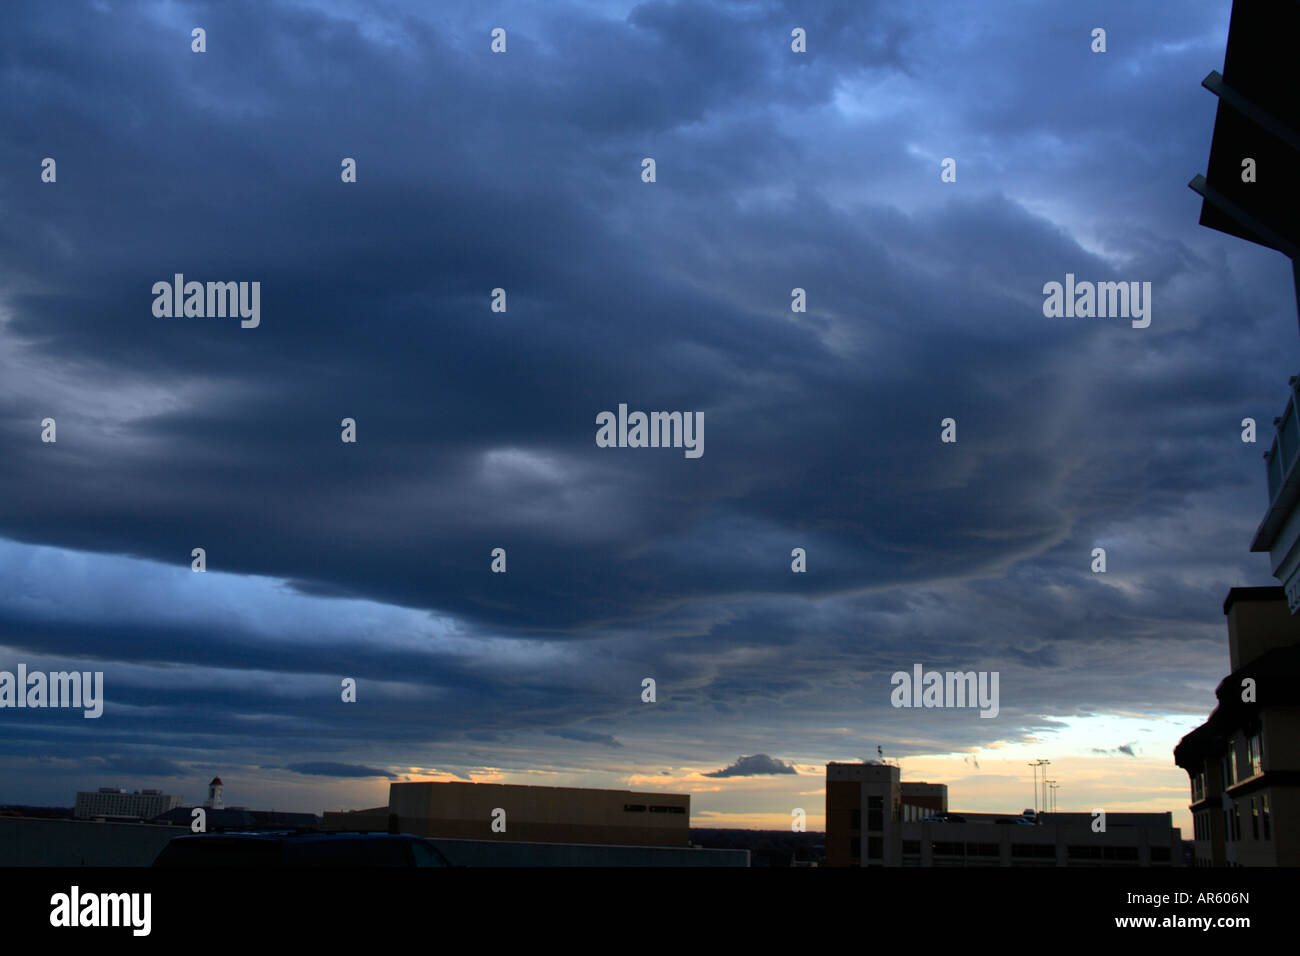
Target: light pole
1036 764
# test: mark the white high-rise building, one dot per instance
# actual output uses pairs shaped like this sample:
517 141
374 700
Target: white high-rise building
118 804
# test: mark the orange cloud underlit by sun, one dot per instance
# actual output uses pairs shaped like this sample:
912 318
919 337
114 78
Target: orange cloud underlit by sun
424 772
478 775
695 781
754 821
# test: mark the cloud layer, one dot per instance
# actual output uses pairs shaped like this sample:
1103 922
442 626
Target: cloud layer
476 428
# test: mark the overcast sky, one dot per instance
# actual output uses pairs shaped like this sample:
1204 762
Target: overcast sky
476 429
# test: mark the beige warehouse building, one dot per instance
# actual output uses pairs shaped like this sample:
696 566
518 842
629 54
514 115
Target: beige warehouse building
465 811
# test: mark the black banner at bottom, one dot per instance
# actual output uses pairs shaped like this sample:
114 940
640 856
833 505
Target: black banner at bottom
637 906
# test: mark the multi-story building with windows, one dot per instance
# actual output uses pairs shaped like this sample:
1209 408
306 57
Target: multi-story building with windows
864 809
874 819
111 803
1244 762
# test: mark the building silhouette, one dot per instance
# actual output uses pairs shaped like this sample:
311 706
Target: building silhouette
1244 762
875 819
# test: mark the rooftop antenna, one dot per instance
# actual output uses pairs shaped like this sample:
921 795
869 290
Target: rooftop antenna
885 760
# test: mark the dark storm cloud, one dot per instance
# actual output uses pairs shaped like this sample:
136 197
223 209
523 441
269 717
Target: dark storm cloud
586 736
476 429
1125 749
327 769
757 765
453 387
140 767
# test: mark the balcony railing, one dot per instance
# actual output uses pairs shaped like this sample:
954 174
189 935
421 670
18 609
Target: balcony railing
1281 455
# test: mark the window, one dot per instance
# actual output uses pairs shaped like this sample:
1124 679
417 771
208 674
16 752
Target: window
634 808
875 813
1230 766
911 847
231 851
855 820
1263 812
356 851
1160 854
1255 754
1274 472
425 855
875 848
982 849
1287 438
855 848
1034 850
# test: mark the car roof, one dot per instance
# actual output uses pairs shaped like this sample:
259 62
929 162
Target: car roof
299 836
